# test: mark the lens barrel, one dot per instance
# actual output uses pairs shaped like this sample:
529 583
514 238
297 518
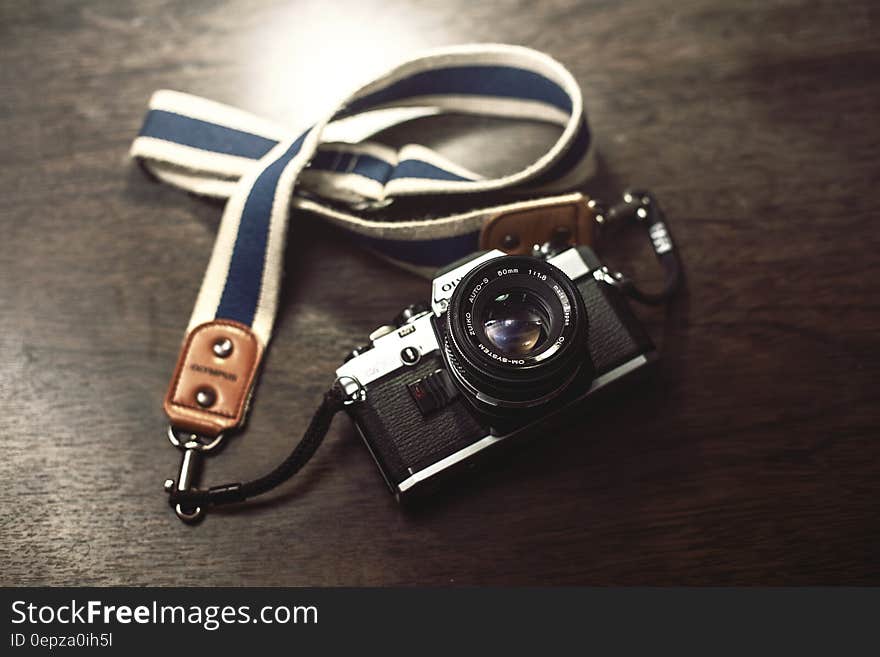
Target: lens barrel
516 332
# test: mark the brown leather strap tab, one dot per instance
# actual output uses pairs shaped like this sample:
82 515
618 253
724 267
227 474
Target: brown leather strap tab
212 382
569 220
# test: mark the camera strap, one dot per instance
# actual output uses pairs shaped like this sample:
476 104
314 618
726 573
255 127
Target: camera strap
335 170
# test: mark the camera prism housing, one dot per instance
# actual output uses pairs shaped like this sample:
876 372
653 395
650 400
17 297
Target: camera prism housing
510 344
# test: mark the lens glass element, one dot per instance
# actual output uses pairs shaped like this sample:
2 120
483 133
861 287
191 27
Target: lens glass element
516 323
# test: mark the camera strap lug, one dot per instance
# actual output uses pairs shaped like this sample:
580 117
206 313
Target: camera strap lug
351 390
609 277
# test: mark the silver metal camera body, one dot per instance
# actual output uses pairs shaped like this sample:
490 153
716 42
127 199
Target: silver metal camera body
509 344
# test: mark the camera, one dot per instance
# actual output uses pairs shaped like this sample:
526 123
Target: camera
509 344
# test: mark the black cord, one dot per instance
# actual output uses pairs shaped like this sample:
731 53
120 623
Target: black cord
644 207
333 402
672 270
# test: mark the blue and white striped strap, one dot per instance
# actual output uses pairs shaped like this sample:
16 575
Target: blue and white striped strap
264 170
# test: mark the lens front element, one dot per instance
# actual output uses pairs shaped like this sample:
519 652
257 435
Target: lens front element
516 323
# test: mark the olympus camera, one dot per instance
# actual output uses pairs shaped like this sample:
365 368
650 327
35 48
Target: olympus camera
509 343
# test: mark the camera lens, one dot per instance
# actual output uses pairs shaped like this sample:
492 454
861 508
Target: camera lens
516 323
516 332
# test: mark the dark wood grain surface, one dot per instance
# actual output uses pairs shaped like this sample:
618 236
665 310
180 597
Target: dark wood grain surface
752 457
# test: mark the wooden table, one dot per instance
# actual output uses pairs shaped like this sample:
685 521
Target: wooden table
751 458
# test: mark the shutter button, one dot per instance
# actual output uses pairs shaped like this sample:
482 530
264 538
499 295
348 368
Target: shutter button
410 355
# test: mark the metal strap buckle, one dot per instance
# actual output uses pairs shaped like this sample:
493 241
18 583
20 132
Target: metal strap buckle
192 445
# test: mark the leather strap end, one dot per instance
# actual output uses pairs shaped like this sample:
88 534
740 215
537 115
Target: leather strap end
558 220
213 379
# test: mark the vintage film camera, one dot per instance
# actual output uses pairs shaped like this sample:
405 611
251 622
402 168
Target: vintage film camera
508 343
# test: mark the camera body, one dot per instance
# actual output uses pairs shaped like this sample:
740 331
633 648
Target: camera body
509 344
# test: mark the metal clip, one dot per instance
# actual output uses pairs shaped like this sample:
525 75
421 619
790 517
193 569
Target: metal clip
192 445
633 206
188 469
